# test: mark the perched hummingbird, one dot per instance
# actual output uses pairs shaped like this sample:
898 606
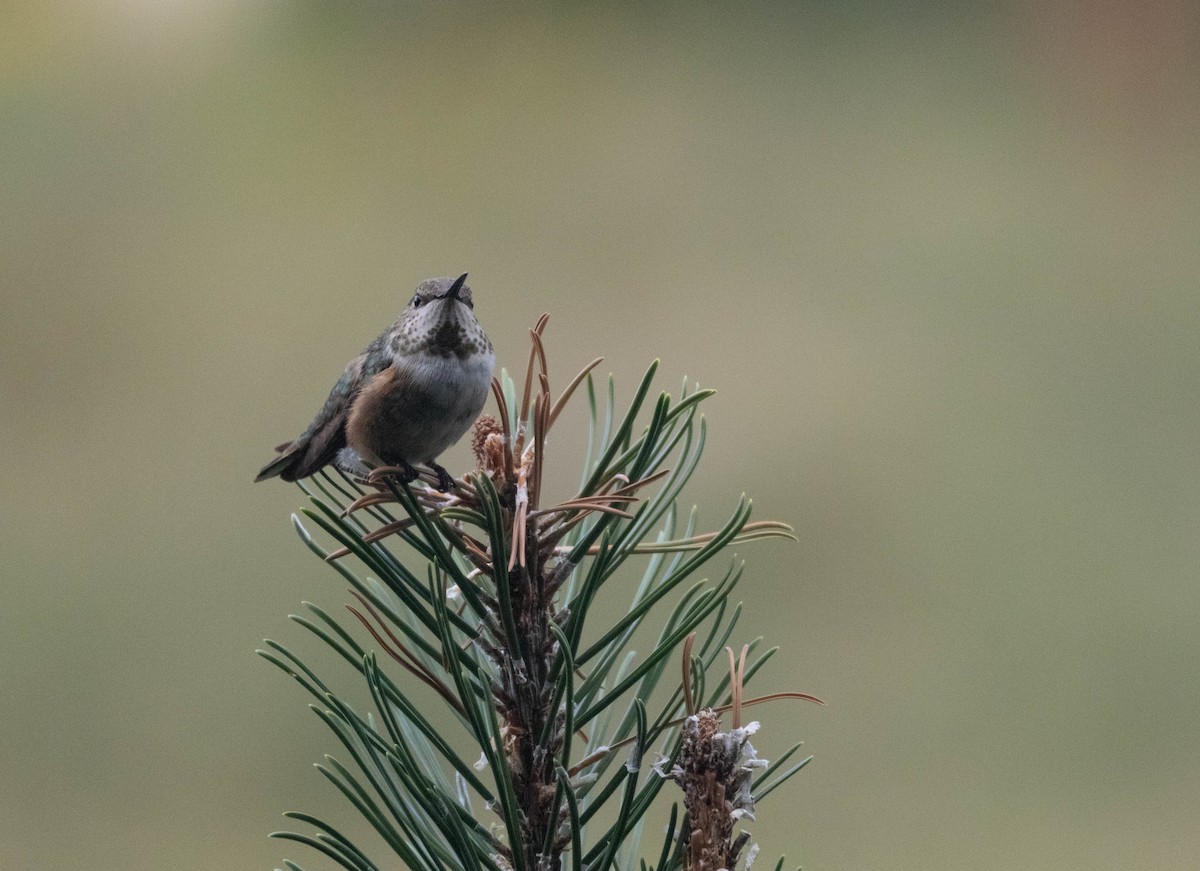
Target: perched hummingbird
410 395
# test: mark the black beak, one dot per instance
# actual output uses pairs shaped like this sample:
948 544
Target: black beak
452 293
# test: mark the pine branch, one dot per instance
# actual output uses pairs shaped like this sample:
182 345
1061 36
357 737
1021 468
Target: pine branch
481 598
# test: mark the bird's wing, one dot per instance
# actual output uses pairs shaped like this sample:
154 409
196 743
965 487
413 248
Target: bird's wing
326 435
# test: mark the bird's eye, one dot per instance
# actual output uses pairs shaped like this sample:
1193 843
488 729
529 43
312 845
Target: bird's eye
416 301
470 303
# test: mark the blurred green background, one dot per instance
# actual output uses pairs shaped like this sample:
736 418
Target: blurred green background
941 263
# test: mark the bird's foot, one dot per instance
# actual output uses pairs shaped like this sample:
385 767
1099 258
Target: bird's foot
446 482
408 473
401 471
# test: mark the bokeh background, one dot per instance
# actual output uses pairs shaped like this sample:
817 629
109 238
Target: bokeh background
941 263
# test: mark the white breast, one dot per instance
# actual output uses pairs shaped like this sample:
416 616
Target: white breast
468 379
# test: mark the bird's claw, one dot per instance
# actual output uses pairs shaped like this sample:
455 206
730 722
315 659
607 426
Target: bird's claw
446 482
406 473
402 471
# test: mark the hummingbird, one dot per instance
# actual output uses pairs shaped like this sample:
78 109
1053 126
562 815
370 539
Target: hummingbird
411 394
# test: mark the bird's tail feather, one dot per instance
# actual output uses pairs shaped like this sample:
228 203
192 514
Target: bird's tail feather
290 453
307 454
